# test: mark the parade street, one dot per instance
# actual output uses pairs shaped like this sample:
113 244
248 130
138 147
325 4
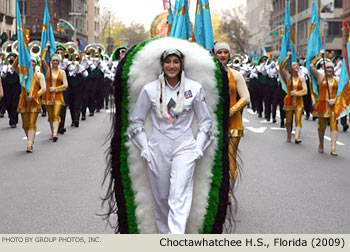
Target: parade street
290 188
284 188
57 188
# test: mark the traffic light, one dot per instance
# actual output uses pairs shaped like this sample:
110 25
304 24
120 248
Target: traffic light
59 29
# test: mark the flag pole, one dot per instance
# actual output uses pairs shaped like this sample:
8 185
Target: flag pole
49 52
324 66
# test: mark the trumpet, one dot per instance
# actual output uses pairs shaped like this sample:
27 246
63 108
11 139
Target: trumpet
34 48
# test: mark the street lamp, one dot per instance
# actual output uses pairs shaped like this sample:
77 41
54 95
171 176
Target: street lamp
71 26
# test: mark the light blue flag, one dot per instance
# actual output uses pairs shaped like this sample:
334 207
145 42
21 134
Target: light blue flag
170 15
343 81
313 48
170 19
182 25
47 34
288 42
24 62
175 17
203 29
264 52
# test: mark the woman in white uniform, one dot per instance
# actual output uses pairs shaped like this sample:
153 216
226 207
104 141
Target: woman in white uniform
171 151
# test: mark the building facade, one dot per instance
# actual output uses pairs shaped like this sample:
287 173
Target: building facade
7 19
346 18
258 24
72 13
94 25
300 10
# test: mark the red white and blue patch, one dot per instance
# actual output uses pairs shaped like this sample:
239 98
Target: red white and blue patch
188 94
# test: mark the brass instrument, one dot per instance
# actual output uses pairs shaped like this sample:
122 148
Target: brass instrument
67 55
72 47
34 48
245 58
76 58
90 50
7 47
97 55
100 48
237 60
14 47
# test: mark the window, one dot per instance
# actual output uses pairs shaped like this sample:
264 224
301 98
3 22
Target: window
338 3
302 31
302 5
334 29
292 7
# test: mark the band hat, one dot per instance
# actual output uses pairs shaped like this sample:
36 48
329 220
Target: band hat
55 57
221 45
329 64
169 52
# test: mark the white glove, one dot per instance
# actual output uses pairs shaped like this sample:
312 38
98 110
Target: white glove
140 140
293 93
202 140
92 67
198 154
145 154
331 102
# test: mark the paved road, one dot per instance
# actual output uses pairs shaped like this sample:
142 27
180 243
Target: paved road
57 188
285 188
289 188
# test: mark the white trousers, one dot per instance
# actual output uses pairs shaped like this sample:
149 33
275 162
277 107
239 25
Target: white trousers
171 168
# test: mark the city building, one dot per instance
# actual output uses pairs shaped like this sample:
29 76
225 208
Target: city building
258 25
346 18
300 10
94 26
70 14
7 19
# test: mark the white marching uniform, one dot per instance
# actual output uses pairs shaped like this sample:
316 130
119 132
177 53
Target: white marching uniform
171 151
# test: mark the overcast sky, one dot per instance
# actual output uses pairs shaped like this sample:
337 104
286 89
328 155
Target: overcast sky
144 11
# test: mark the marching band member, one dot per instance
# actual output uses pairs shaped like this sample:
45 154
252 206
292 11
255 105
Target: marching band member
172 151
1 90
293 101
11 88
262 82
324 106
56 83
271 90
30 104
238 86
75 85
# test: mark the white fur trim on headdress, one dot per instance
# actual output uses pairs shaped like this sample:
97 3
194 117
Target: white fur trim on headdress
329 64
199 66
221 45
